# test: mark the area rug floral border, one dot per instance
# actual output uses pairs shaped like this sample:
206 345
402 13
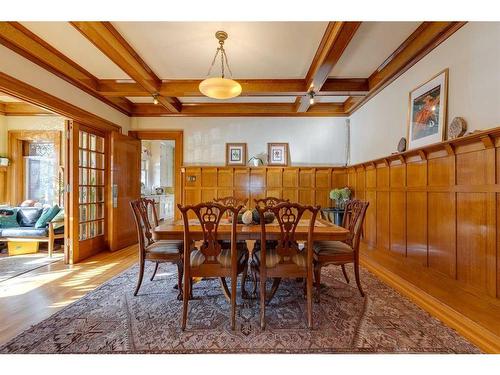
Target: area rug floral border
110 320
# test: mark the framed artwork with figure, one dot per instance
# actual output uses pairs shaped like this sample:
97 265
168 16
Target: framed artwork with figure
236 153
427 112
277 154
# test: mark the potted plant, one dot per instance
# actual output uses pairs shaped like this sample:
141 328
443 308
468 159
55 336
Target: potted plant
340 197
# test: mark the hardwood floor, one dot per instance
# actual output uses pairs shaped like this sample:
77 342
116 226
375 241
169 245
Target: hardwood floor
29 298
471 314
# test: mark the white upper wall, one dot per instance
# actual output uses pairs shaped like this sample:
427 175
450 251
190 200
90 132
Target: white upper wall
24 70
472 55
312 141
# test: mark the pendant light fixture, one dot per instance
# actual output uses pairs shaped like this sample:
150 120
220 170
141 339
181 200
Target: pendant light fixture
220 87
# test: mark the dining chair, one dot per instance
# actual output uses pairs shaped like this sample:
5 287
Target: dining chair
155 251
342 252
263 203
152 216
210 259
231 201
286 259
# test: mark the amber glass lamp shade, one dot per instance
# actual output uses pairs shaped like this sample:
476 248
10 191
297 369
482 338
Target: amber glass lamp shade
220 88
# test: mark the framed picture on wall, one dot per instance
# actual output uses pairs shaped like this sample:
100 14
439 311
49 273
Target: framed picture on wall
427 112
277 154
236 153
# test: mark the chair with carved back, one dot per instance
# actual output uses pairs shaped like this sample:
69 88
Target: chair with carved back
152 216
342 252
265 203
210 258
286 259
154 251
231 201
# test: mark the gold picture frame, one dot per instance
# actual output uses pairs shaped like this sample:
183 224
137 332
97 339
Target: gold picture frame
427 112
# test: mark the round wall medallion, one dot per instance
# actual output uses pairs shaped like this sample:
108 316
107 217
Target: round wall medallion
402 145
457 128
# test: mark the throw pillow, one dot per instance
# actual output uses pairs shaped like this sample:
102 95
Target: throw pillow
8 218
59 218
47 216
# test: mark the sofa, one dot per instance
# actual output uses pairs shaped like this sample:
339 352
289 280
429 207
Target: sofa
24 225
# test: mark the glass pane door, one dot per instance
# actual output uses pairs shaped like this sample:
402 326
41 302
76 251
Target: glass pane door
91 173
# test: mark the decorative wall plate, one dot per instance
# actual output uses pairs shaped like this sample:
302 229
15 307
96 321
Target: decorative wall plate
402 145
457 128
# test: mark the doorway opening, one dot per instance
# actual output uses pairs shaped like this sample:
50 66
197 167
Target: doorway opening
161 162
32 180
158 175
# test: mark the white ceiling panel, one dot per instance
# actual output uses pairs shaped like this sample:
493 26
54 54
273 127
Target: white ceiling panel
330 99
370 46
71 43
184 50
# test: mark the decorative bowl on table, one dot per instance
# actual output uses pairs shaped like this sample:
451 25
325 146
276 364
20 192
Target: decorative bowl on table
268 217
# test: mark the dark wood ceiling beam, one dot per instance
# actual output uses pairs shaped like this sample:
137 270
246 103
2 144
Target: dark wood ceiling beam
19 89
423 40
23 109
22 41
239 109
105 37
351 102
335 40
344 86
251 87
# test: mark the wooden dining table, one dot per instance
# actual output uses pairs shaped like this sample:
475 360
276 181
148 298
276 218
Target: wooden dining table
323 231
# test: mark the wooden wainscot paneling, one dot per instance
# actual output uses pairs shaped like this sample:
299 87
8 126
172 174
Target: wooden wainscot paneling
3 185
434 214
323 180
307 185
383 234
397 207
339 178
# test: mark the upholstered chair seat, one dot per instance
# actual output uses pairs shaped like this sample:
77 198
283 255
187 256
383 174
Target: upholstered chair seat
224 258
273 258
331 247
165 248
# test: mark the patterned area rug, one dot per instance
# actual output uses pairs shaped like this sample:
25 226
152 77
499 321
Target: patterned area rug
111 320
12 266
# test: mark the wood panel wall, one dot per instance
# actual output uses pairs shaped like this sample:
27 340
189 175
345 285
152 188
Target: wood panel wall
307 185
438 208
3 185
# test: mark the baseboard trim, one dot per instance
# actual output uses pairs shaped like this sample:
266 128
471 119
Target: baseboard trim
478 335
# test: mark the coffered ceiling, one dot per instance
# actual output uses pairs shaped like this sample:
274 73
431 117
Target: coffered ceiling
277 63
184 50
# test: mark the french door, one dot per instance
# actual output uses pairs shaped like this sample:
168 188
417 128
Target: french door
87 175
103 174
